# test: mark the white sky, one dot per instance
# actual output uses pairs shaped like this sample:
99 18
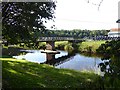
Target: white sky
78 14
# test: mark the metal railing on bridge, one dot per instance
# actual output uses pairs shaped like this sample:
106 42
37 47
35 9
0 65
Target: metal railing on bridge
55 38
105 38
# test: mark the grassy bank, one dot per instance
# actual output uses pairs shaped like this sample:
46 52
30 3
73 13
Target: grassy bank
24 74
84 47
89 46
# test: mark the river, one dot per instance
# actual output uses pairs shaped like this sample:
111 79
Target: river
63 60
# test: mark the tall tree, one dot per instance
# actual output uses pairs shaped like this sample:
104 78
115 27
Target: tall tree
21 19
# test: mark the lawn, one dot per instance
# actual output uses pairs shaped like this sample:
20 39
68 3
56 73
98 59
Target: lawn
24 74
90 45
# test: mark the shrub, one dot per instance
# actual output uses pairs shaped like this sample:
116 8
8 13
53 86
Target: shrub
69 48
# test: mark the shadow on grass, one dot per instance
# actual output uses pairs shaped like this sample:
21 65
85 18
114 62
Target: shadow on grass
32 75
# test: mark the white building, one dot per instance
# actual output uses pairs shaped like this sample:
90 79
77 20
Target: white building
114 32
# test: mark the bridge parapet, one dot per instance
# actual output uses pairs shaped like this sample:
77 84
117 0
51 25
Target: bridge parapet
55 38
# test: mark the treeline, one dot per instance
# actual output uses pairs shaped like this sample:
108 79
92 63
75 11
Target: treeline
72 33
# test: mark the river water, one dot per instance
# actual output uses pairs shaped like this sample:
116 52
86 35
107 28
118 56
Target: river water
63 60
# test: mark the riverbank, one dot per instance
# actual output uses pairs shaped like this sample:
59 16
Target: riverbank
24 74
89 46
34 75
82 47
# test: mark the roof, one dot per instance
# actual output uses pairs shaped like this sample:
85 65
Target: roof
115 30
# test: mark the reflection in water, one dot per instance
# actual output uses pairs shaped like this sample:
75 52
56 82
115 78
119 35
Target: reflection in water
79 62
64 60
50 59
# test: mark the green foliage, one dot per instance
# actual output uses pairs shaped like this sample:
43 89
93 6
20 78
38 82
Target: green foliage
65 45
110 51
110 48
24 74
20 20
76 33
69 48
60 45
11 51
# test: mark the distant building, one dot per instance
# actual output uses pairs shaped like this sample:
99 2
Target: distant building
114 32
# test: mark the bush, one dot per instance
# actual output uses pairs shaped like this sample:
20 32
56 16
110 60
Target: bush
69 48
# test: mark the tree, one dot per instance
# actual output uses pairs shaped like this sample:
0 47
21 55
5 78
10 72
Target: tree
20 20
111 63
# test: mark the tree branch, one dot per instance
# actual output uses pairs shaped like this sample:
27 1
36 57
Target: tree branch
100 4
88 1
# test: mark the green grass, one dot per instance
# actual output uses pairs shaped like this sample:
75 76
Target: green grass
61 42
87 45
24 74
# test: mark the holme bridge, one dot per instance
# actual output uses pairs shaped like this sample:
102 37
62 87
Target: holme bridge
59 39
50 41
50 47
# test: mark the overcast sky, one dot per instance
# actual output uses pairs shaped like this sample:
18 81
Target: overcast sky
78 14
